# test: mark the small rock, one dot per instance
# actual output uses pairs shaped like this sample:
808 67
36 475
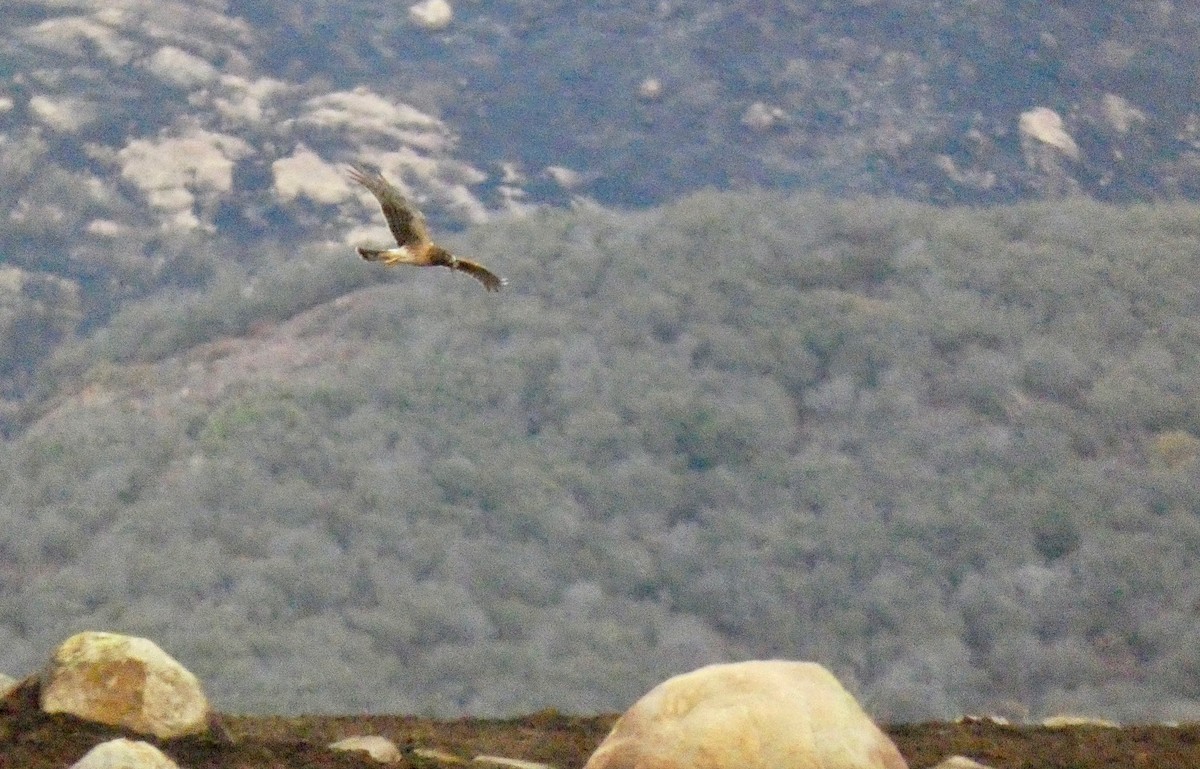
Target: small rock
960 762
379 748
565 177
124 754
515 763
988 719
762 117
510 173
980 179
441 756
650 89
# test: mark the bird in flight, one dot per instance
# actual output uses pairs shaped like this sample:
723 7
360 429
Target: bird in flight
414 246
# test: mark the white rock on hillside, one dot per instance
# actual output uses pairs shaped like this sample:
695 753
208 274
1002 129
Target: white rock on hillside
305 174
1044 125
432 14
63 114
1120 114
176 172
1049 151
124 754
124 681
769 714
379 748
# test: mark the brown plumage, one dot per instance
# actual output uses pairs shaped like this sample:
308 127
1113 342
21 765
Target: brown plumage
414 246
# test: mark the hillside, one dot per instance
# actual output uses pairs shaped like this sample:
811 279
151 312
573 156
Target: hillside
932 449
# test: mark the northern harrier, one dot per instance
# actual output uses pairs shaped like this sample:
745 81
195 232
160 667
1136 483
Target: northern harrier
412 236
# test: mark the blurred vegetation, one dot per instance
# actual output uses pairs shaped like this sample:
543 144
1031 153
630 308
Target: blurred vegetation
952 454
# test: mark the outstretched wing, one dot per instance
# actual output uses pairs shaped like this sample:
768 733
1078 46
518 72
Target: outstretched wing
490 280
406 223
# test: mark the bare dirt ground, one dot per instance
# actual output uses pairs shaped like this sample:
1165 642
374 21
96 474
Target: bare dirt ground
30 739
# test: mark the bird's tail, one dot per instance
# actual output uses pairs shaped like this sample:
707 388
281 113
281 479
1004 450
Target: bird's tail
370 254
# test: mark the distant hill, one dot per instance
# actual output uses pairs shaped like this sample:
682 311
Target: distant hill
932 449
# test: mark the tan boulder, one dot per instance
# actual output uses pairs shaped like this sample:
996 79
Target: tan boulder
124 754
766 714
123 681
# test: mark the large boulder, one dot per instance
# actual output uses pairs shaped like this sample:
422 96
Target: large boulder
124 754
767 714
124 681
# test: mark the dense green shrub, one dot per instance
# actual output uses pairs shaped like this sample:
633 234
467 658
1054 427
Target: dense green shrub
935 450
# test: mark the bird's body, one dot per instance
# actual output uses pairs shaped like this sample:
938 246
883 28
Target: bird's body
413 244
